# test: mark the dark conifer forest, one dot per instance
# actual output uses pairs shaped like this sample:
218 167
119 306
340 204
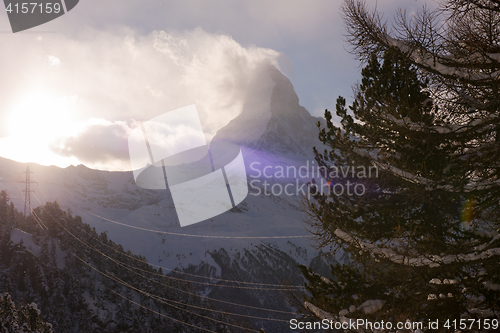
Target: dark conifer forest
58 270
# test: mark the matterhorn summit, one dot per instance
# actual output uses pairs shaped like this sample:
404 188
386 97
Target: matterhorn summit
272 119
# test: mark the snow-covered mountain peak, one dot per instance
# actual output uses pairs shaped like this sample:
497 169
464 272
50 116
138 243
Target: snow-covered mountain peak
272 119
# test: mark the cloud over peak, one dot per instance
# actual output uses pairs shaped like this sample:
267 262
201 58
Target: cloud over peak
122 77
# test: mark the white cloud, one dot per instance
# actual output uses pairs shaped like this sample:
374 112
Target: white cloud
122 76
130 73
99 143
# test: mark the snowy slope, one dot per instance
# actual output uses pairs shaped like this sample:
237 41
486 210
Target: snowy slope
273 130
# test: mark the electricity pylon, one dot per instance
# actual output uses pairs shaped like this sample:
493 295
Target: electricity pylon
27 191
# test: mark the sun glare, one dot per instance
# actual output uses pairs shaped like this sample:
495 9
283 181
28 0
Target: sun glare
43 116
33 124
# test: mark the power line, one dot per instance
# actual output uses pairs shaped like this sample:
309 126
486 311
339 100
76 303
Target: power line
43 192
39 220
184 273
196 282
158 298
158 313
165 301
186 235
12 195
280 287
168 277
168 286
229 313
163 284
198 236
142 306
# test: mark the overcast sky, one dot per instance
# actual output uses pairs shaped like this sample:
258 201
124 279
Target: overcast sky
71 89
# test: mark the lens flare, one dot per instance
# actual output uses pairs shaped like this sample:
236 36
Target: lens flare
467 212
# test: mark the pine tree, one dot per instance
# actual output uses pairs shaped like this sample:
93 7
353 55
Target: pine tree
422 229
24 319
8 313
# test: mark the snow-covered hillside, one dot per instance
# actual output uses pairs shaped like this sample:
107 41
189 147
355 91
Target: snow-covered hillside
266 231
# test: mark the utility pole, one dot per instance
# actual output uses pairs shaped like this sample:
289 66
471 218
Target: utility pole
27 192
